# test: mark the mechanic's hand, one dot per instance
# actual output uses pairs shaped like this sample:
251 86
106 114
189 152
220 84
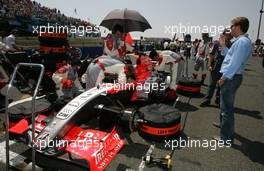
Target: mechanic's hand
130 80
221 82
67 83
210 69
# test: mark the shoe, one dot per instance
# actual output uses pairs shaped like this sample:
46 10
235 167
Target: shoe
218 138
203 79
205 103
217 125
195 76
217 101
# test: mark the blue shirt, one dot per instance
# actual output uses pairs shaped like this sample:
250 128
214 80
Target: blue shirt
236 57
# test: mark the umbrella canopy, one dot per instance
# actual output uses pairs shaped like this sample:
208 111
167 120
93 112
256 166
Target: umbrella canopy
130 20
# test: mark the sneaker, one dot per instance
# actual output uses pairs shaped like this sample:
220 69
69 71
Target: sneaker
205 103
218 138
195 76
217 101
217 125
203 79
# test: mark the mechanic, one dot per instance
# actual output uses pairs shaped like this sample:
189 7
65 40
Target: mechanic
109 46
202 53
103 67
10 42
66 80
153 54
173 63
119 43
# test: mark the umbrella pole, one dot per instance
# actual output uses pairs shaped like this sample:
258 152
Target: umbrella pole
125 43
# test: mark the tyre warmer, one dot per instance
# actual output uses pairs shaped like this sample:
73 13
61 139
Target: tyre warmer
189 87
161 122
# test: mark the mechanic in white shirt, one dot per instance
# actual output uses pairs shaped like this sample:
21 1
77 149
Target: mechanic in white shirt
10 42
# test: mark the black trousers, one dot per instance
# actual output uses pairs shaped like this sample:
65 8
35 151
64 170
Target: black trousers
263 61
214 77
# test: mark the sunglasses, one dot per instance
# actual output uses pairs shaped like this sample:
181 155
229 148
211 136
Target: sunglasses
233 25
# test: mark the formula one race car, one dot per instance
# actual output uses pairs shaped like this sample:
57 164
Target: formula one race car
84 133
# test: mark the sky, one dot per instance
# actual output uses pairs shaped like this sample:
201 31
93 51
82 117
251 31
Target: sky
165 14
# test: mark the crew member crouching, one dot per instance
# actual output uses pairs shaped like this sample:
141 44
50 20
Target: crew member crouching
172 63
101 68
66 80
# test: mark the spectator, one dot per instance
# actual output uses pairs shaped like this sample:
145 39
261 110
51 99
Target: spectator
232 70
214 66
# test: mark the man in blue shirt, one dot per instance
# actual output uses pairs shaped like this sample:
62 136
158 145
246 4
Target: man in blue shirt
232 70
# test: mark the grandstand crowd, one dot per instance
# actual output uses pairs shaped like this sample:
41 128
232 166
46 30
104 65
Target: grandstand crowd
34 11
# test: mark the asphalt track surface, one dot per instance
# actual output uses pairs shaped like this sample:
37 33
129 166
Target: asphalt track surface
246 154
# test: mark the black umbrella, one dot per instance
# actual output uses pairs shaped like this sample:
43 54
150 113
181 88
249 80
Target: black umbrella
130 20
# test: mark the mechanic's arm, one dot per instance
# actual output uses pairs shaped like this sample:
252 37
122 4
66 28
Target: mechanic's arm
211 57
77 83
13 43
210 62
122 78
17 48
57 77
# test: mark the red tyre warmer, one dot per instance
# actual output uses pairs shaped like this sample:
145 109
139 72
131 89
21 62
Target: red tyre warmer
162 122
189 87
